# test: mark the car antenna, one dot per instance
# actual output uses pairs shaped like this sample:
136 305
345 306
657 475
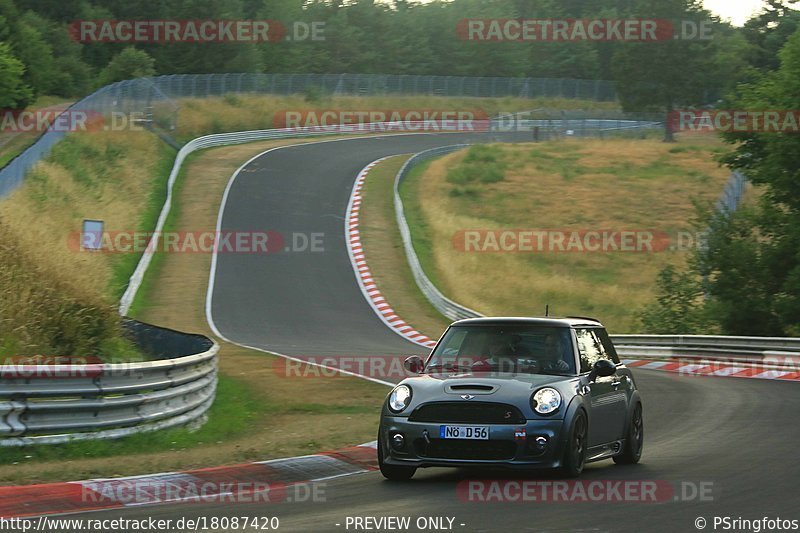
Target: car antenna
547 310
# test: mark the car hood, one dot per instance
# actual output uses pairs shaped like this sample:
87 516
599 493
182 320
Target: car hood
515 389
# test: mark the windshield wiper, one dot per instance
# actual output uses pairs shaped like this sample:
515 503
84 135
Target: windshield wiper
554 372
448 367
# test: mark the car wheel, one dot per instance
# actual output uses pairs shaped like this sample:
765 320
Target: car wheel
634 440
575 453
393 472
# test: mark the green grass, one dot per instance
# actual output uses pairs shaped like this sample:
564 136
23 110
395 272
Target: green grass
141 301
482 164
420 234
568 185
232 414
15 146
125 264
385 254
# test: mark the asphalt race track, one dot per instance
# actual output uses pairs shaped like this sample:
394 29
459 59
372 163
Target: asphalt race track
738 435
305 303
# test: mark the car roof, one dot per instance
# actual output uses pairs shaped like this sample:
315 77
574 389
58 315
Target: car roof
558 322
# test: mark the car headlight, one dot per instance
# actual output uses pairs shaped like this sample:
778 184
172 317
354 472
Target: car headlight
400 398
546 401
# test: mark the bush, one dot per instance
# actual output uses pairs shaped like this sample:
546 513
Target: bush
314 94
483 164
42 314
680 308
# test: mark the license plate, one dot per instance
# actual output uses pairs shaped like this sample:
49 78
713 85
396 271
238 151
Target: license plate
464 432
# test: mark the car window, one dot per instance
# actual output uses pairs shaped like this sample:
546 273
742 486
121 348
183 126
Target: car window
516 348
590 348
602 334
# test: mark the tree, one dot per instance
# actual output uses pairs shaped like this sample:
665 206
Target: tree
751 264
680 308
35 54
662 75
128 64
14 93
768 31
763 245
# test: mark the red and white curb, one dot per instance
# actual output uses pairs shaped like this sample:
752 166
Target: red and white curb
711 368
389 317
364 277
261 482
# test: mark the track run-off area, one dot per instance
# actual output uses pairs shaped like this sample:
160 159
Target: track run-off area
734 438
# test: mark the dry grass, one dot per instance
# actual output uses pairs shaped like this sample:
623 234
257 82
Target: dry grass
238 112
581 185
12 143
112 177
383 248
174 293
105 177
284 413
289 422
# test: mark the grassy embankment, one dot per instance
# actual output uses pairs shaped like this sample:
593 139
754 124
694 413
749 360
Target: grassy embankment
120 178
638 185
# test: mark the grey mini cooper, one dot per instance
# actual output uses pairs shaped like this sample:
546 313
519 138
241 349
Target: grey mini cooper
513 392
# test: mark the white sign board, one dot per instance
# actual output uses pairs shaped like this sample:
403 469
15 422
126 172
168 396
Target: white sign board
92 235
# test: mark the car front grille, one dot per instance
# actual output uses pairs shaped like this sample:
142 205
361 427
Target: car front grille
468 413
487 450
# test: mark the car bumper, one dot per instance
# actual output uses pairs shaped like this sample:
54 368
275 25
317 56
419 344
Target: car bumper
507 447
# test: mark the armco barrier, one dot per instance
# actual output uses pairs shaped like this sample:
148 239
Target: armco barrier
154 99
762 351
455 311
778 352
50 404
443 304
226 139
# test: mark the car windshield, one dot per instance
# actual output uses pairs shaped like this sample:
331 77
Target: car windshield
518 349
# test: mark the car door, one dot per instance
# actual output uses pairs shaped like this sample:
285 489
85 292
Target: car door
608 399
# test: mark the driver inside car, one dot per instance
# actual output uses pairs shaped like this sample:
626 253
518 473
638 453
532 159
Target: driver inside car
552 358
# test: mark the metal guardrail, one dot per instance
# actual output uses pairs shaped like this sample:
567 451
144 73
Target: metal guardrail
50 404
732 194
443 304
766 351
455 311
240 137
154 98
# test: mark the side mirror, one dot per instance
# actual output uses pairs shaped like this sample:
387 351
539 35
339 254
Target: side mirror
414 364
602 368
